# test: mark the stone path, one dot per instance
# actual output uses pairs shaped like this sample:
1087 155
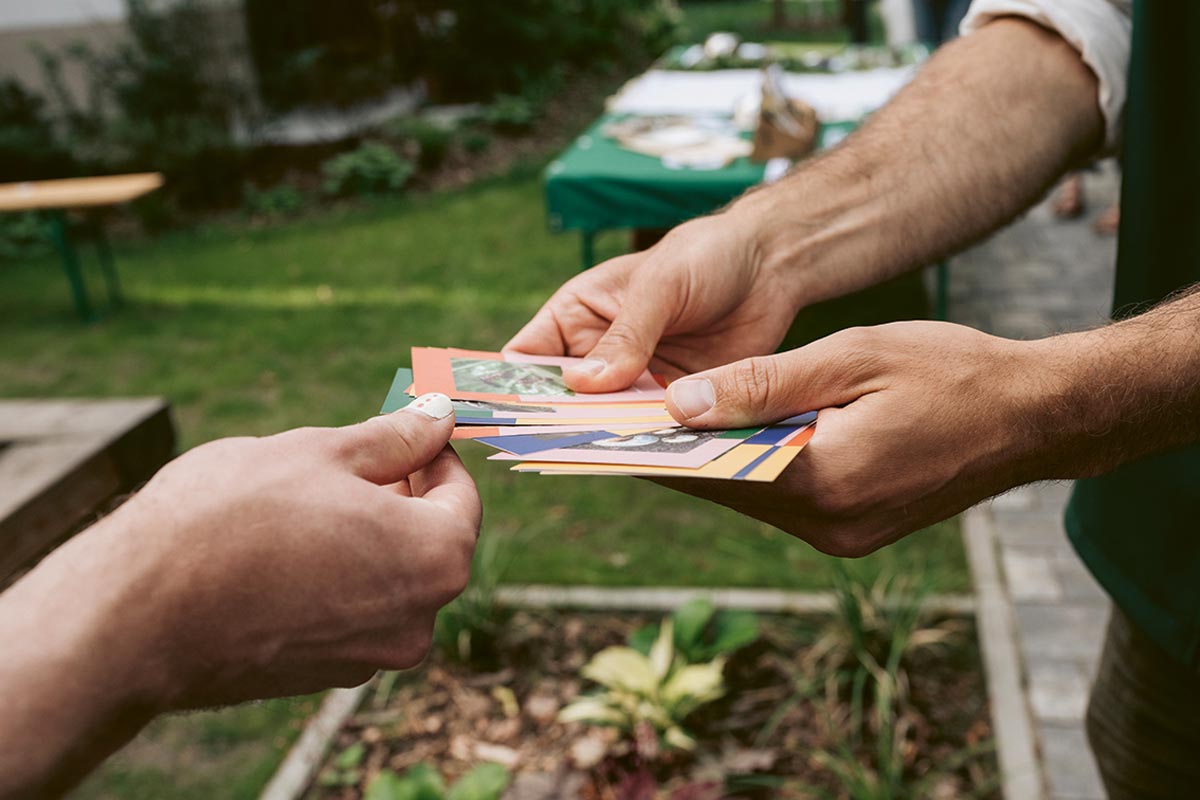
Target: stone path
1037 277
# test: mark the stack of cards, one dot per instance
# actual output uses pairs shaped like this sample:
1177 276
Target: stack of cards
519 405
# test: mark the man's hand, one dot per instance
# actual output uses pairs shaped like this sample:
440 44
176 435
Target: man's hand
698 298
246 568
918 421
975 139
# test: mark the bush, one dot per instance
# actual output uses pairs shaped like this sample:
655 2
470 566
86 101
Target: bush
476 141
21 236
373 168
29 148
276 202
431 141
511 114
157 102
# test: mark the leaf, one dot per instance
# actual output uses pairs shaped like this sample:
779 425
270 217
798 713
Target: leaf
662 653
591 709
643 638
676 738
351 757
697 684
733 630
690 620
387 785
426 783
484 782
622 667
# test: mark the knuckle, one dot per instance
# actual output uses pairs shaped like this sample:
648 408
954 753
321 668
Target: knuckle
845 543
410 648
754 381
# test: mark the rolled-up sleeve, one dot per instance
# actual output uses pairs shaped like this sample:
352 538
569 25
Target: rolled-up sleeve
1099 29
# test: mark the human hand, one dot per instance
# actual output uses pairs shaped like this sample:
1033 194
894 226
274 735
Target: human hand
918 421
700 297
295 562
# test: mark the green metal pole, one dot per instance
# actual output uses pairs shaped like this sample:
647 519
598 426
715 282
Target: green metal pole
115 298
588 250
60 234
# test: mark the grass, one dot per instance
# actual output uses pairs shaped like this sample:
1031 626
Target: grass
251 331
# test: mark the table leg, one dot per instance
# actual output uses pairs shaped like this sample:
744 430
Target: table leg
115 298
60 233
942 295
587 250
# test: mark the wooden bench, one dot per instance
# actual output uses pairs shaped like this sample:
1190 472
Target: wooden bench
62 462
54 199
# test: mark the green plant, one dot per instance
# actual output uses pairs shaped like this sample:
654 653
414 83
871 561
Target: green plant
511 113
371 169
422 782
431 140
653 692
276 202
475 141
29 145
701 632
346 768
21 236
871 620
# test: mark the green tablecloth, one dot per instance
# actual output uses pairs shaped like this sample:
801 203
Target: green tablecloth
597 185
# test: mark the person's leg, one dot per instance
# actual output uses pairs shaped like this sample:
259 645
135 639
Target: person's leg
952 17
925 18
1143 720
1069 202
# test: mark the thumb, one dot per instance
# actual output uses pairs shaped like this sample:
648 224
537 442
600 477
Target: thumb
389 447
761 390
622 353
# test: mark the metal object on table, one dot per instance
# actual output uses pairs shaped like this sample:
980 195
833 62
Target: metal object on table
55 198
64 461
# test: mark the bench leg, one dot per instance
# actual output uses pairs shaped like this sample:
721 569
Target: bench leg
587 250
115 298
60 233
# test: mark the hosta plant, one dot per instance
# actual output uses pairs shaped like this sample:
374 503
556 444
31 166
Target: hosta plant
640 692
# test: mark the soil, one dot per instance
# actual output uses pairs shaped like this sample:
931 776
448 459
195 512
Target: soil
765 732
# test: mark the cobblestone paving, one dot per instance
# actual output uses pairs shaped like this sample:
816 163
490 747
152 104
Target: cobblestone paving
1043 276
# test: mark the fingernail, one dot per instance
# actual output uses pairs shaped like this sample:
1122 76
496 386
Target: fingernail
590 367
693 397
433 405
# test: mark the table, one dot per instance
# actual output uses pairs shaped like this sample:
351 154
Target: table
63 461
597 185
55 198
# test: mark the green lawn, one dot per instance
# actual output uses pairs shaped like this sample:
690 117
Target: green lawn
250 331
253 331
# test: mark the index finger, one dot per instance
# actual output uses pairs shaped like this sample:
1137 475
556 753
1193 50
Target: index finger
445 483
541 336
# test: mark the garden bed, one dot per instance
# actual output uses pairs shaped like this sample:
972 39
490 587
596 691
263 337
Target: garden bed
798 717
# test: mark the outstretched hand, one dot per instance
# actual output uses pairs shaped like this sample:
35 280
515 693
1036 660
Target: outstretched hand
918 421
699 298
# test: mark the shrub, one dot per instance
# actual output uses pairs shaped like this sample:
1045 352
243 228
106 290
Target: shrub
475 141
276 202
29 146
651 693
701 632
432 141
21 236
422 782
511 113
373 168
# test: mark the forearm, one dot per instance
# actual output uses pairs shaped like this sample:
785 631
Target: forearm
1118 393
982 131
77 679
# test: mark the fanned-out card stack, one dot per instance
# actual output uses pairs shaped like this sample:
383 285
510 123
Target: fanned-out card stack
519 405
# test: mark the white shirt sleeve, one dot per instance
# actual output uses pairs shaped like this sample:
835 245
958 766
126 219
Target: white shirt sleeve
1099 29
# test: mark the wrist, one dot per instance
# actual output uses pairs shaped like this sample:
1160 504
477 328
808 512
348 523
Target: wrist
812 229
